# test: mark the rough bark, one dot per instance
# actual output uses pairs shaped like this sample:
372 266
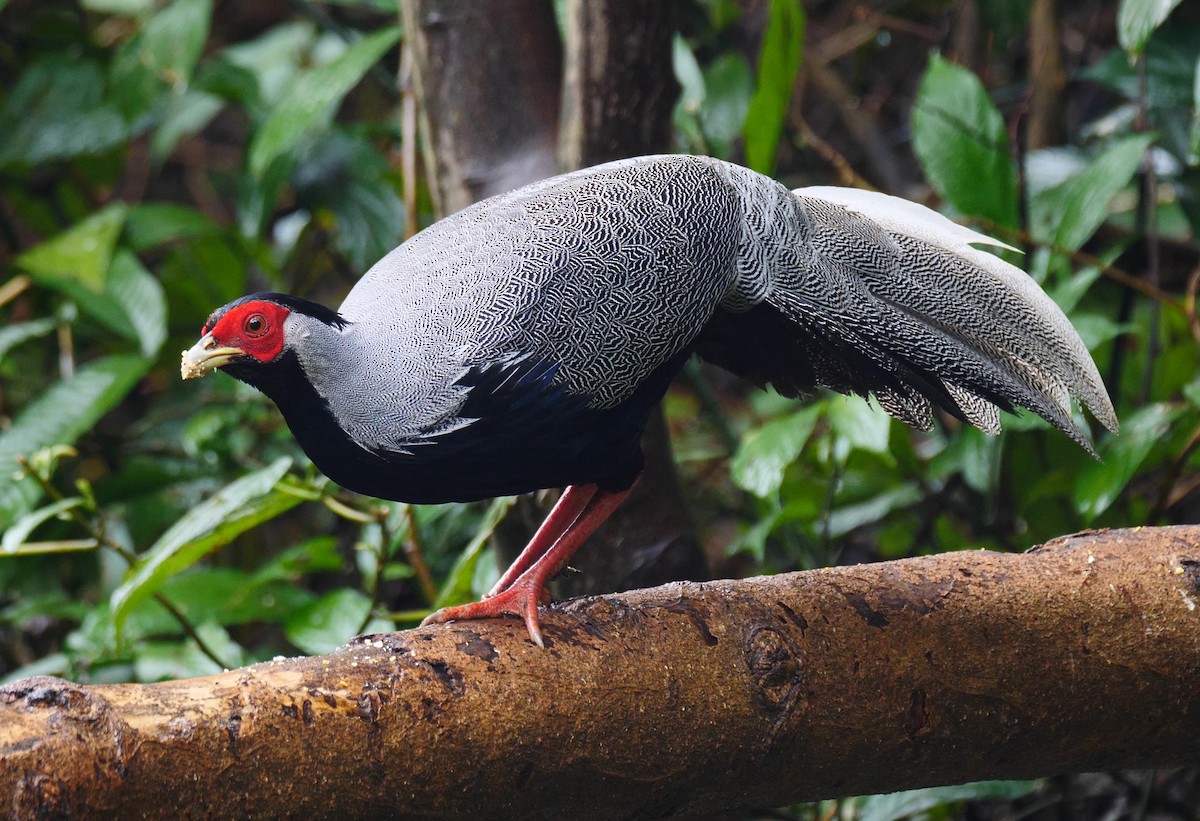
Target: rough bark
487 78
619 87
1082 654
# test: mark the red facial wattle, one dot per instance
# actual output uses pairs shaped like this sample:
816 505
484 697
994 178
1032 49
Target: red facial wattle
254 327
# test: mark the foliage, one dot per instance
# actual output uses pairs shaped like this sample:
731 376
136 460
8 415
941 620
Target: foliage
821 484
120 236
159 160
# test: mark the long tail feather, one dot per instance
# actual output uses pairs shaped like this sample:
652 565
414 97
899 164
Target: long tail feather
987 329
890 298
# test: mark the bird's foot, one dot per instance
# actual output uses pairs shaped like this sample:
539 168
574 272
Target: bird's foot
519 599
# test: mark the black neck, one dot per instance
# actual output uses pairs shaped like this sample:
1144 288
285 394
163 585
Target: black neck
308 416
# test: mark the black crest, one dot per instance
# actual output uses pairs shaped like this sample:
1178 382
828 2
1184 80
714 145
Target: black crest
292 303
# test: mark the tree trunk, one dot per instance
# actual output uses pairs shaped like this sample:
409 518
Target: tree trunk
1079 655
619 88
489 79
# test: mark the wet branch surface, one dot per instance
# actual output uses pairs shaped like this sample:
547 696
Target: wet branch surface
1080 655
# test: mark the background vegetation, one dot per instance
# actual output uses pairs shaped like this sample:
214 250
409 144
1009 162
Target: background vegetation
161 157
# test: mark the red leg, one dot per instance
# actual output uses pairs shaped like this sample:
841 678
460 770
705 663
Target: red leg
521 597
565 511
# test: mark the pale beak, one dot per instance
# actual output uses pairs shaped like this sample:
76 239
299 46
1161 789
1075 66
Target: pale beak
205 356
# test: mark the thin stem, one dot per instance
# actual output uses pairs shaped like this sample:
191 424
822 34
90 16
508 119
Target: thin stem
59 546
414 551
376 584
1189 302
845 171
190 631
98 532
831 490
66 351
1113 272
1168 495
408 145
1148 216
347 512
14 288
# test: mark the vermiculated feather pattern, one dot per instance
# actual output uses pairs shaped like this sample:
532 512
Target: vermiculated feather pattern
605 276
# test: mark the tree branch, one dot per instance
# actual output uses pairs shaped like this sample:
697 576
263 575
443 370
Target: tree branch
1082 654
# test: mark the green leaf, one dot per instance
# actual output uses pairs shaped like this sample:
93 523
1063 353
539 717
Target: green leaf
1099 484
897 805
55 664
33 606
59 416
312 97
185 114
730 88
16 535
975 455
1193 157
141 299
315 555
778 63
221 78
57 111
754 539
385 6
1096 329
13 335
273 59
161 56
151 224
1138 19
765 452
1170 59
81 253
331 621
131 303
126 8
849 517
960 139
688 73
459 587
225 596
345 177
1069 292
212 524
862 425
172 660
1066 215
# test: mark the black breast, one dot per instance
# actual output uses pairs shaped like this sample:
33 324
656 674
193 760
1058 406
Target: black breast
528 432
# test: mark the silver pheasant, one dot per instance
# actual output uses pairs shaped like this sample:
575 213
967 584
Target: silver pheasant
520 343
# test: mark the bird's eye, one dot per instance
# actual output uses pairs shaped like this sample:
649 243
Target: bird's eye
256 325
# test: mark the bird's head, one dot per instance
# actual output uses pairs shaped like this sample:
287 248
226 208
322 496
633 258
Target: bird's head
249 333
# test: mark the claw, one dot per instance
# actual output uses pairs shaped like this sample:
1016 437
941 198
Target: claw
520 599
576 516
